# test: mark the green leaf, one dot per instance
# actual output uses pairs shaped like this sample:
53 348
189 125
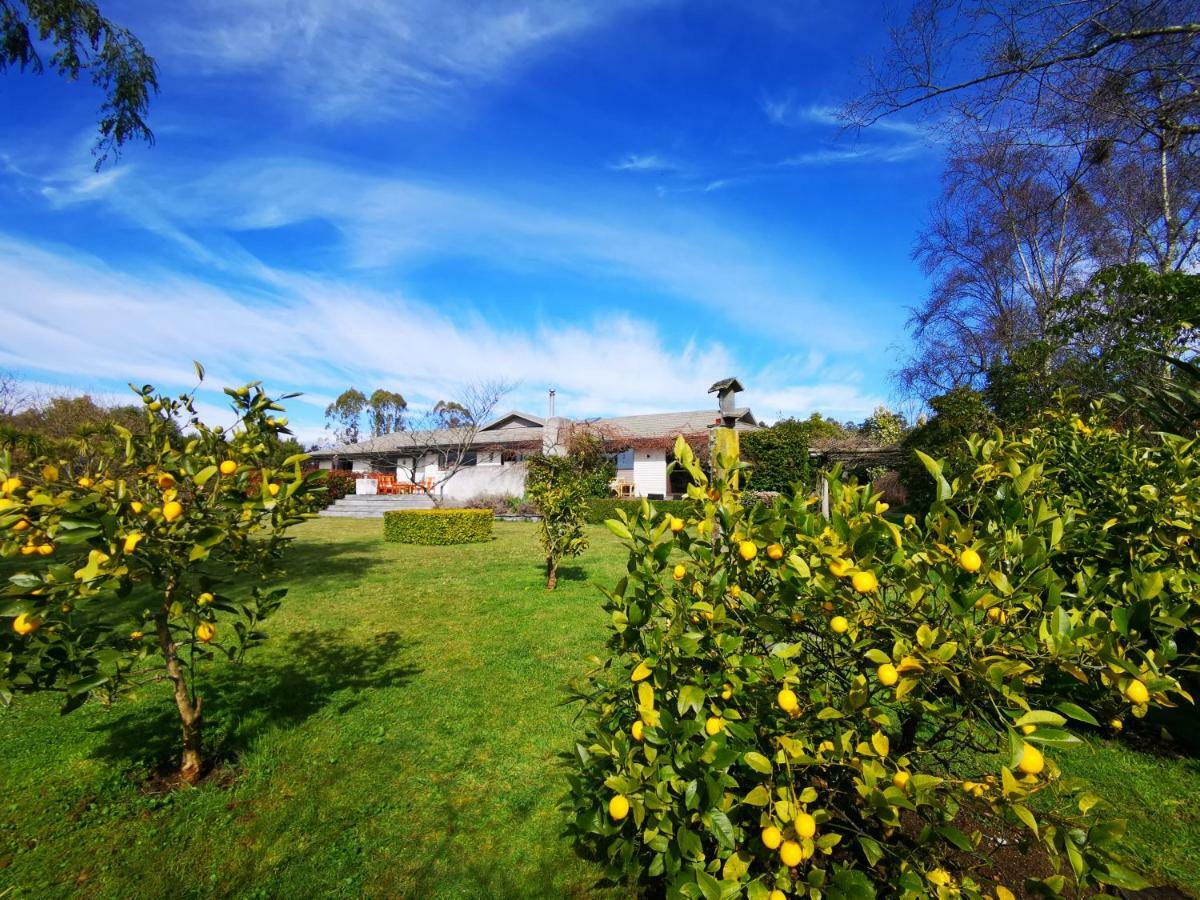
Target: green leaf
204 475
619 528
709 886
850 884
760 796
690 697
758 762
1023 813
1076 712
1040 717
956 837
722 829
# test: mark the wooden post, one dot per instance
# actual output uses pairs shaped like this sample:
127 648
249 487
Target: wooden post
823 487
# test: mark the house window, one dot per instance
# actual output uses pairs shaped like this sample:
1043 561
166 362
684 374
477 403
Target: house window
625 460
469 458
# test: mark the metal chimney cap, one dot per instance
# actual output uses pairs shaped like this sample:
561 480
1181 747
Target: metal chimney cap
726 384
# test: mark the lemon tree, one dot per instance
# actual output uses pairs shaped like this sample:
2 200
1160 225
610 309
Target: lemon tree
133 556
844 706
558 486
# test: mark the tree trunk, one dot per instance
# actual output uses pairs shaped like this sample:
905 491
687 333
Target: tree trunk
551 574
189 712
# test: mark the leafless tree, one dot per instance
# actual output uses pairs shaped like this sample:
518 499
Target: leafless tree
1074 136
14 395
447 431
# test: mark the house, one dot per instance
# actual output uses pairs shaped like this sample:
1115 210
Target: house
493 460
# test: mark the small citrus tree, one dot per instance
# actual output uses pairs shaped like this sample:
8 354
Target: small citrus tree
144 554
558 486
843 706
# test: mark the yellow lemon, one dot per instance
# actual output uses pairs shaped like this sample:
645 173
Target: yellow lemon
679 571
997 615
748 550
28 550
641 672
969 560
727 692
20 525
791 854
136 635
1116 724
618 807
840 567
772 837
677 524
172 511
839 624
10 485
273 490
900 780
735 592
1137 694
1028 729
137 507
775 551
131 541
788 701
638 730
1031 761
206 631
777 895
864 582
806 825
166 480
714 726
204 599
50 473
45 549
887 674
26 624
84 482
228 467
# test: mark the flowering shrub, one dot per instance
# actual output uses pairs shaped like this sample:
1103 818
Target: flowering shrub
795 705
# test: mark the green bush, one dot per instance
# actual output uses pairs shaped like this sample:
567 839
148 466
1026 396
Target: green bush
778 457
600 511
438 526
558 486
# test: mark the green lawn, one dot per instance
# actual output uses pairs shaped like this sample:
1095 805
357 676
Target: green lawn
396 737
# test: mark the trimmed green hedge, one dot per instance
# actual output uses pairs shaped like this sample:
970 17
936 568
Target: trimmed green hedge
600 510
438 526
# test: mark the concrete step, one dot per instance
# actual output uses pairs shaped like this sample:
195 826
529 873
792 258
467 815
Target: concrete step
373 506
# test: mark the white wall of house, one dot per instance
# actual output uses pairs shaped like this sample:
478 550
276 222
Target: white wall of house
325 464
650 472
360 465
471 481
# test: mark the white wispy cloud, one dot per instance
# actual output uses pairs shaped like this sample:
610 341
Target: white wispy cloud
386 221
642 162
352 57
890 140
73 319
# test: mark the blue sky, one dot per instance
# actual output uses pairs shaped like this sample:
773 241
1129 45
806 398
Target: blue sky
622 200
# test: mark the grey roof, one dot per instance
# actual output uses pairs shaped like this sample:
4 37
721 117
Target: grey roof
650 425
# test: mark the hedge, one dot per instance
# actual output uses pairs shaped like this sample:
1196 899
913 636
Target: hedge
438 526
600 510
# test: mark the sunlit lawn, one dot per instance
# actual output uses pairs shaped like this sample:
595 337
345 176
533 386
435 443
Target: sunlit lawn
397 737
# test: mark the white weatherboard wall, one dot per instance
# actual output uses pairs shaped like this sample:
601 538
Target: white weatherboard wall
650 472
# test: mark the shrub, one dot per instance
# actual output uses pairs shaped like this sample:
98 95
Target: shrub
778 457
957 415
558 486
337 483
146 540
503 504
844 706
437 526
599 511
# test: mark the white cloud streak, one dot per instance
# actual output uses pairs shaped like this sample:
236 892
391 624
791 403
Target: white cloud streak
81 322
349 58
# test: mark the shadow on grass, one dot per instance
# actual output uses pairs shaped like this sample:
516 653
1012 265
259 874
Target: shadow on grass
566 572
314 560
304 672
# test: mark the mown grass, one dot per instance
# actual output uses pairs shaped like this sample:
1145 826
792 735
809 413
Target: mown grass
396 737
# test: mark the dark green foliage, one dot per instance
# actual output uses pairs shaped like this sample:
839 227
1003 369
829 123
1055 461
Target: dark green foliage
437 526
386 412
599 511
1169 402
957 414
591 457
84 40
344 415
1021 388
778 456
337 484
